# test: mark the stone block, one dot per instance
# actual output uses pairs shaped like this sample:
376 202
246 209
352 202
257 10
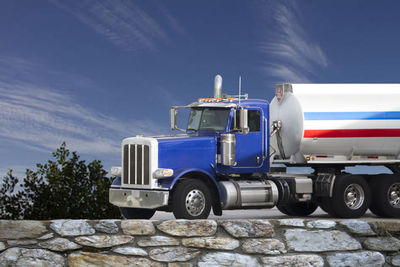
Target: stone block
319 240
59 244
293 261
72 227
382 243
358 227
130 250
158 241
223 243
103 241
264 246
321 224
188 228
248 228
226 259
363 258
172 254
138 227
21 229
107 226
21 242
291 222
87 259
31 257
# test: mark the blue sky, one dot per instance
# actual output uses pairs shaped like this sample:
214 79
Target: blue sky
93 72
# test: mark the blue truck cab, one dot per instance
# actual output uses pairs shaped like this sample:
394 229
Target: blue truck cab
226 139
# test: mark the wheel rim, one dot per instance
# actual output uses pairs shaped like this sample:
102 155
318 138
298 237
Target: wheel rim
394 195
195 202
354 196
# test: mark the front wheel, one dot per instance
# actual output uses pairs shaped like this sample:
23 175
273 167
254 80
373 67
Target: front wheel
191 200
136 213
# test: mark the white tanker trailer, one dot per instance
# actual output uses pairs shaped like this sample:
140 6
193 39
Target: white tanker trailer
337 123
223 160
331 126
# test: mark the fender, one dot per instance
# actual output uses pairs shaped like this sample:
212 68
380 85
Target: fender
181 172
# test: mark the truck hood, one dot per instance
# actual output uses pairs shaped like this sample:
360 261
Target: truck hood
186 151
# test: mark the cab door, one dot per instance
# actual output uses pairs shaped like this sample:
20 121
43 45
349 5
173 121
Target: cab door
250 147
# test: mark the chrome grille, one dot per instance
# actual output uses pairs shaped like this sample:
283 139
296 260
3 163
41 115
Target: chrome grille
136 164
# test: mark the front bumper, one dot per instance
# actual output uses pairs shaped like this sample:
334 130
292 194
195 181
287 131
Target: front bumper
137 198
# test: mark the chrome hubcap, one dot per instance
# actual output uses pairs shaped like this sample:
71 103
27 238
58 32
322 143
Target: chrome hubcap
195 202
354 196
394 195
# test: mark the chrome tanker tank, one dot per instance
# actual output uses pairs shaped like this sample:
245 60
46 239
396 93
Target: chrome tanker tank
336 123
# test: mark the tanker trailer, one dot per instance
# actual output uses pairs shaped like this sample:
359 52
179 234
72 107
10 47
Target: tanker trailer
331 126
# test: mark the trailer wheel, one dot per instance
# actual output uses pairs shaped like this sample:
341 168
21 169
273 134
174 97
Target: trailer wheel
386 199
136 213
191 200
327 207
298 209
351 196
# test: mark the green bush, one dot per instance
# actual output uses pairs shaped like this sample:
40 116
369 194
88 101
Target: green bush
63 188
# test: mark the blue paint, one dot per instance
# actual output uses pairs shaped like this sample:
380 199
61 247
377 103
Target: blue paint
170 182
197 150
373 115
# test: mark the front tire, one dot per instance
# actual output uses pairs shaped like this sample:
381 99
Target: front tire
136 213
351 197
191 200
386 199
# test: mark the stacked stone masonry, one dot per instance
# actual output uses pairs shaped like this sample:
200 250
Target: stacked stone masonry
284 242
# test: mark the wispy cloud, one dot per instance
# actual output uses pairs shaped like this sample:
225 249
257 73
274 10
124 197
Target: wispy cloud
40 117
298 57
125 23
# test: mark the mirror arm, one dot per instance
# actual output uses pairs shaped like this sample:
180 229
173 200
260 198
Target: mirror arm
173 113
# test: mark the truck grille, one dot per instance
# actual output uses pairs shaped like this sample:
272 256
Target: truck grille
136 165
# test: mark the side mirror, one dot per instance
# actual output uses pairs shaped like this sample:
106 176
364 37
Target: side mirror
172 118
244 121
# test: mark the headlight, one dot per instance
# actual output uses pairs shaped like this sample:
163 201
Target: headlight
116 171
163 173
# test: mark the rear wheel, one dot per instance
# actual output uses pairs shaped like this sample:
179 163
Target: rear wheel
136 213
386 199
191 200
298 209
327 206
351 197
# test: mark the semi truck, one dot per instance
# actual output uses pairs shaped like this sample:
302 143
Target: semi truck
225 157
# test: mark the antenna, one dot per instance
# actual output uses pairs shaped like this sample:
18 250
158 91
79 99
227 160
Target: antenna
240 87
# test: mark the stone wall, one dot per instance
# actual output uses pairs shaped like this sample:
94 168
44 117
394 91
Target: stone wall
285 242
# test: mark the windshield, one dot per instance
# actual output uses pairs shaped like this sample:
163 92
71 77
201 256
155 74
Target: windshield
208 119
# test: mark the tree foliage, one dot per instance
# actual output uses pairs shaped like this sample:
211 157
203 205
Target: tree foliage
65 187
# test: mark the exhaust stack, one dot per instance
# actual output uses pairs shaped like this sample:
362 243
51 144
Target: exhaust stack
218 86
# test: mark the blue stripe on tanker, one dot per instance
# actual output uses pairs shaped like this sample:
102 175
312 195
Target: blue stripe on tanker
371 115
